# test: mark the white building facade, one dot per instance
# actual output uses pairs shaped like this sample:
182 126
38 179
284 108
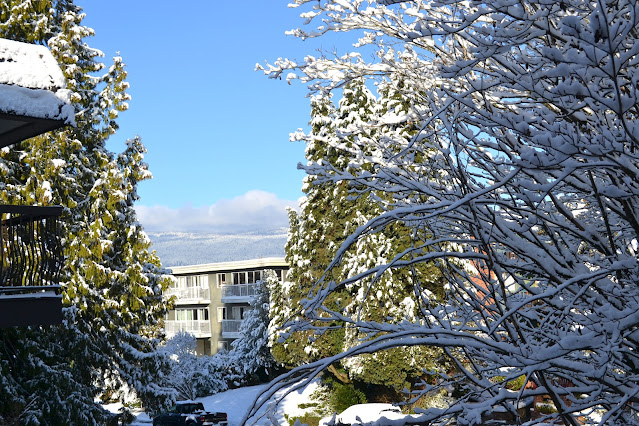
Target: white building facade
210 299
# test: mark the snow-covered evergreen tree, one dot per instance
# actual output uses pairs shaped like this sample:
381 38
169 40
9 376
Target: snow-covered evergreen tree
112 285
322 226
251 354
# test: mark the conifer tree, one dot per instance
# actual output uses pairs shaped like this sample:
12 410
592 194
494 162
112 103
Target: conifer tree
112 285
332 210
251 353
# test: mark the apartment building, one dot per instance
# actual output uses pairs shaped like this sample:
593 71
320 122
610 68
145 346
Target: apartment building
211 299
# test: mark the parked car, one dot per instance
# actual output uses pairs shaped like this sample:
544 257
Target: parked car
190 413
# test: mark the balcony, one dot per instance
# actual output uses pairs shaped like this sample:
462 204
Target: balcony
31 261
200 329
189 295
238 293
231 329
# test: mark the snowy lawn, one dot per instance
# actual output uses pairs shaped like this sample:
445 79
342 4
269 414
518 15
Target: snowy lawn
236 402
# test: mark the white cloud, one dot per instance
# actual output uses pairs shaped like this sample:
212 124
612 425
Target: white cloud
254 211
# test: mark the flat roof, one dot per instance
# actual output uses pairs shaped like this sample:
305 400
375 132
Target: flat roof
265 262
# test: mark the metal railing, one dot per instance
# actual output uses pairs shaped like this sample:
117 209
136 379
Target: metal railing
197 293
31 255
198 328
239 290
231 326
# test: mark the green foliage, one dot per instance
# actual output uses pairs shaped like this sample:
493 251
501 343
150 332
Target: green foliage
331 211
306 419
393 368
334 396
439 399
517 384
344 395
545 408
513 385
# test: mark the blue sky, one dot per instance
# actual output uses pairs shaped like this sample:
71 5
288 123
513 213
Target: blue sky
216 130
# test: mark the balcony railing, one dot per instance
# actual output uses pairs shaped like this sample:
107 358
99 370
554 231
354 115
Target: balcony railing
239 292
231 328
197 328
30 246
189 293
31 261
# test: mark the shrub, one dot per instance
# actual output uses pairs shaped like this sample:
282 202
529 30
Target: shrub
306 419
344 395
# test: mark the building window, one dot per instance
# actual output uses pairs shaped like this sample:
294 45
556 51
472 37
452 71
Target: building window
184 314
180 282
239 277
221 314
222 346
201 314
193 281
278 272
238 312
175 282
254 276
246 277
221 280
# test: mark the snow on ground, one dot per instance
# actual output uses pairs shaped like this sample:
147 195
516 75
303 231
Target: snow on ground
236 403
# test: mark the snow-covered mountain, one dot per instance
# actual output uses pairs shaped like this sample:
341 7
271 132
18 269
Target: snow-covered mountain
181 248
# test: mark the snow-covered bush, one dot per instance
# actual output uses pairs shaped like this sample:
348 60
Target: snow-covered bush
250 354
522 182
193 376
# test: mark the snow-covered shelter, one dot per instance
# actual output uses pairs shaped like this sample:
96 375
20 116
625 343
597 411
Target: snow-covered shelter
33 98
33 101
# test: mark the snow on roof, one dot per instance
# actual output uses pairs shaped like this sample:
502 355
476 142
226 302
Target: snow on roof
263 262
32 84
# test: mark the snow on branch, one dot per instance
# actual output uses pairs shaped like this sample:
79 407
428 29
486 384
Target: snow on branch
518 172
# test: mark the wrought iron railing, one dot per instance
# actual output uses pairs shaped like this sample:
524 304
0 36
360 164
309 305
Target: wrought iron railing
31 255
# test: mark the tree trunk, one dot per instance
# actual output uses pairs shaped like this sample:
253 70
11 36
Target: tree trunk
342 377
